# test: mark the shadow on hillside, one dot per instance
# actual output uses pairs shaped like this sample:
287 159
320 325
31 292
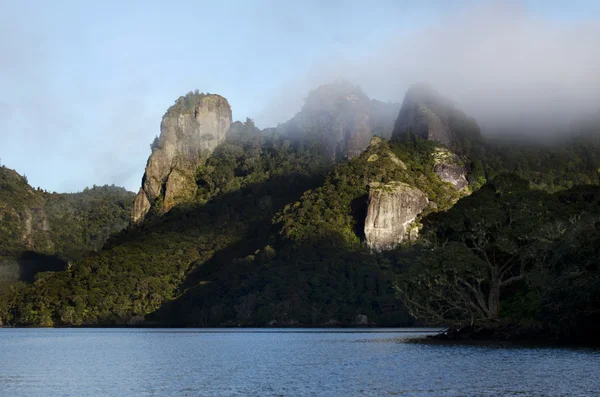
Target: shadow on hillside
243 273
315 284
31 263
243 282
230 226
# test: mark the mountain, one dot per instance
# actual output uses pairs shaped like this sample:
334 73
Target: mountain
285 226
430 116
342 118
42 231
339 118
190 131
247 246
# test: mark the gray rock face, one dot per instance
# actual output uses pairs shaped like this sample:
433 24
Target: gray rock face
190 131
342 118
392 209
141 206
35 225
452 174
424 113
427 114
449 168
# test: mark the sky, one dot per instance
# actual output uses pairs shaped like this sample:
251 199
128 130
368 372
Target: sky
84 84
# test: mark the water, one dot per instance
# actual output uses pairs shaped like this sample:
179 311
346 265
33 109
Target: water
142 362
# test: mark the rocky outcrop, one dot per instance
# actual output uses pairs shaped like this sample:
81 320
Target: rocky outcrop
35 226
343 118
180 186
450 168
375 147
428 115
392 209
190 131
141 206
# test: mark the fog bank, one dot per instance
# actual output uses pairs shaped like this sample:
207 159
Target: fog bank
499 62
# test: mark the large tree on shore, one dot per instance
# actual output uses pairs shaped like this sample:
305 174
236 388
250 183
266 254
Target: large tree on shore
482 246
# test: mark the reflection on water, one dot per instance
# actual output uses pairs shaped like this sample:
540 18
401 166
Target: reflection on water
291 362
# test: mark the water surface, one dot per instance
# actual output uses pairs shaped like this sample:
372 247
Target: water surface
186 362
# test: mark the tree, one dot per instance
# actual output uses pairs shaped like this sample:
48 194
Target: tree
446 284
483 245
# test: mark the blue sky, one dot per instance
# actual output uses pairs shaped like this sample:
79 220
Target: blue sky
84 84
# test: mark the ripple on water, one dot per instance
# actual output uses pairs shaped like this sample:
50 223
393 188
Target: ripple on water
87 362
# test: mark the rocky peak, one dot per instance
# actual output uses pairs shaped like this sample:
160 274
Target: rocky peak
427 114
189 132
343 117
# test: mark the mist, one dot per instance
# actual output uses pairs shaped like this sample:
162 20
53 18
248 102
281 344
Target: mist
84 89
499 62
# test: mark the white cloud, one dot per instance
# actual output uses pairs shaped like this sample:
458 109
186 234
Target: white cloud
498 62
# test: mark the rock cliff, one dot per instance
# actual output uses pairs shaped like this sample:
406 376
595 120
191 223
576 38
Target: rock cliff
392 209
342 117
428 115
450 168
190 131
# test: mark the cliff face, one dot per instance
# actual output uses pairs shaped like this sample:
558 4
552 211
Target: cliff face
427 114
392 209
343 118
190 131
450 168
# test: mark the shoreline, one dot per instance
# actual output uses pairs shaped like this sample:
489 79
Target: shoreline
506 335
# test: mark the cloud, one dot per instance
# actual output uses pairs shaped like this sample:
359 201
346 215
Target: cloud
499 61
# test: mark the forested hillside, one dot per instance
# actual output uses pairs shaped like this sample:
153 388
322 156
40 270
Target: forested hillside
42 231
275 230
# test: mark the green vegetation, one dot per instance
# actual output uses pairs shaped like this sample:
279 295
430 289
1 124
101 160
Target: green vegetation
40 231
511 254
546 166
274 235
338 208
186 104
242 185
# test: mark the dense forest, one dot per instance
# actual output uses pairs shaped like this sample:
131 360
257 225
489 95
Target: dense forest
275 236
42 231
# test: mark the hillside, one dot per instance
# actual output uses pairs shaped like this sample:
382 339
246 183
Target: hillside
438 225
42 231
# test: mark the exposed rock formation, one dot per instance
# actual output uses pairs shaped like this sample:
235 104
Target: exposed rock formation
375 146
190 131
392 209
428 115
141 206
35 225
450 168
343 118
